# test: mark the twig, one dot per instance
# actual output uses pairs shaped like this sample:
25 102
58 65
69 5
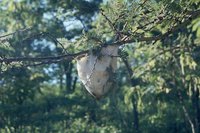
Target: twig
193 15
39 59
55 40
109 21
92 71
20 30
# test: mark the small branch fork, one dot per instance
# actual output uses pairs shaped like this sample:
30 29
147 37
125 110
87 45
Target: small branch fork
67 56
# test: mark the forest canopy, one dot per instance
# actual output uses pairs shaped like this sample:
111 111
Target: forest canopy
157 82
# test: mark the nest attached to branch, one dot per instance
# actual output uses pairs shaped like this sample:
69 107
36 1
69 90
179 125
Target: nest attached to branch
96 71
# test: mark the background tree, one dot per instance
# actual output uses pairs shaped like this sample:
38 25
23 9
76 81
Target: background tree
158 75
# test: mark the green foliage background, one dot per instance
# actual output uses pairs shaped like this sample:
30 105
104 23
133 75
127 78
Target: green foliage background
160 96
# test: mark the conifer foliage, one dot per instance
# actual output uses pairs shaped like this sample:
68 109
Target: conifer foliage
157 80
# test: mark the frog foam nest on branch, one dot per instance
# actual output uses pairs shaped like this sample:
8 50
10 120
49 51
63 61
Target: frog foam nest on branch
96 71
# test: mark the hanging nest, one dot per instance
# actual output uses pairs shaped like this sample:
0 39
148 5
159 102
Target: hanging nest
96 71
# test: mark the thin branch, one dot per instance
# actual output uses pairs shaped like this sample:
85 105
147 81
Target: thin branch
40 59
193 16
21 30
55 40
92 71
109 21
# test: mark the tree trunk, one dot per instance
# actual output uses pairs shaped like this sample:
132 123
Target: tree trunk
68 71
134 98
195 102
61 77
135 114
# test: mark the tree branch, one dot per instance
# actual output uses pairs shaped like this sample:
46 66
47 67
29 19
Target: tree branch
39 59
20 30
193 15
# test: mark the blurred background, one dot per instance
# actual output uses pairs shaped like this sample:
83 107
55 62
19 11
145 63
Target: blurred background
157 81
